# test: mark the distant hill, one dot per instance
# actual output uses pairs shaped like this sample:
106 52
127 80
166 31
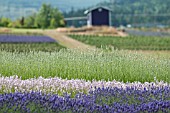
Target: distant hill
16 8
137 12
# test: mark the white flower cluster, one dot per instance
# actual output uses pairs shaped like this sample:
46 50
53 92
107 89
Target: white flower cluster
60 86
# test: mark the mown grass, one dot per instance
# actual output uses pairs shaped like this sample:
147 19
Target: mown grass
129 42
88 65
27 47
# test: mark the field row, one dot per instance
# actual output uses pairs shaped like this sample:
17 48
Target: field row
61 86
42 95
27 47
24 38
129 42
108 100
88 65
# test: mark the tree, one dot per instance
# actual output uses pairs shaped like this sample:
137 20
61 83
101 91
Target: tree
49 17
4 22
43 16
53 23
30 22
22 21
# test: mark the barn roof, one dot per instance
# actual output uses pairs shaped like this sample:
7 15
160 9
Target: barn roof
97 7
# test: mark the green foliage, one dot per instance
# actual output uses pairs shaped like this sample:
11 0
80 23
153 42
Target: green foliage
53 23
140 11
43 17
49 17
16 24
4 22
129 42
30 22
88 65
28 47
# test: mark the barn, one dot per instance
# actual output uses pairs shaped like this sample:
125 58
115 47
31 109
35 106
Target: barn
98 16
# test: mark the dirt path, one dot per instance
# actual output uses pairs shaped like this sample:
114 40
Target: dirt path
66 41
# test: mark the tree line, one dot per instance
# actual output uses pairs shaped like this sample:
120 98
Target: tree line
135 12
46 17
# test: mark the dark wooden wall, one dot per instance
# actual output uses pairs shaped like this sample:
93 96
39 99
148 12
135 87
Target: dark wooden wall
100 18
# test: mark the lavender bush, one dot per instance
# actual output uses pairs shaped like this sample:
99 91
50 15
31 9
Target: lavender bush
101 100
62 95
57 85
25 38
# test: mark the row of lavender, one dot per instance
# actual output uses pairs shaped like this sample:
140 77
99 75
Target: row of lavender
61 95
24 38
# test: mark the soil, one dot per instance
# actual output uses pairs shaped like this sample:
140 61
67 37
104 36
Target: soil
67 41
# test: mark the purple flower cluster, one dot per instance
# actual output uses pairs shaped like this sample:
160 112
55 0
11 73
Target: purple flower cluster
132 99
101 100
24 38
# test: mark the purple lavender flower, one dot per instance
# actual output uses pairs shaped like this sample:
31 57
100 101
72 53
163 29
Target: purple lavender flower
24 38
100 100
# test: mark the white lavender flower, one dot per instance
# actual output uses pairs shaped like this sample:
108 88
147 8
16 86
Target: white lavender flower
60 86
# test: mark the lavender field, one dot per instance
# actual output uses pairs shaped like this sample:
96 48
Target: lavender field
24 38
74 81
89 81
28 42
42 95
